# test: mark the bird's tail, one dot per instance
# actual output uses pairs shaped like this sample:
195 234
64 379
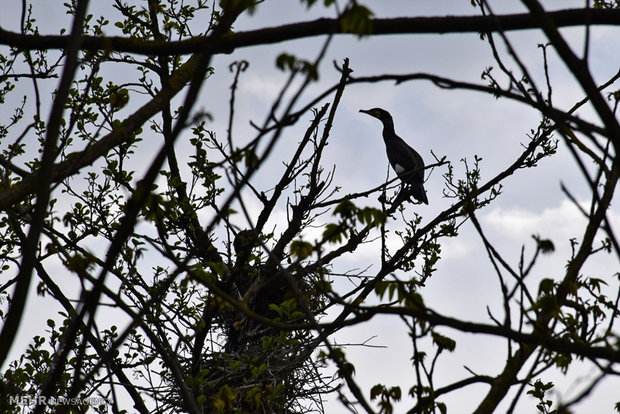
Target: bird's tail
418 192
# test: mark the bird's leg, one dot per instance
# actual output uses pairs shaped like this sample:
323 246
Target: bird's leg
403 195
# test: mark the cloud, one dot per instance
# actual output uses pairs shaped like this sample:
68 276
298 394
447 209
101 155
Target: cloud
559 222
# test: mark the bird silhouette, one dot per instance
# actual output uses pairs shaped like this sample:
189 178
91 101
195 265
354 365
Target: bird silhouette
405 161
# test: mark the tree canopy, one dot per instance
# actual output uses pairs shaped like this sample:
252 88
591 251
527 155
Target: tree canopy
172 209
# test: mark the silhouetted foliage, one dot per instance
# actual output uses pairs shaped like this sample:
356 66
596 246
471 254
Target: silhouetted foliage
181 281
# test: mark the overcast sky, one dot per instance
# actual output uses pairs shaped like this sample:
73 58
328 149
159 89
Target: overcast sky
455 124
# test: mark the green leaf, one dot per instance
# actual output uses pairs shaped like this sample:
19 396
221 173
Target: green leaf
251 159
323 286
257 371
546 246
381 287
285 61
301 249
595 283
224 399
219 405
268 343
414 301
333 233
548 304
562 361
347 369
545 287
119 98
254 397
443 342
376 391
310 69
345 209
395 393
369 215
356 19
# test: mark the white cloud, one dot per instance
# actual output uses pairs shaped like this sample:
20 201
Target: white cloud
559 222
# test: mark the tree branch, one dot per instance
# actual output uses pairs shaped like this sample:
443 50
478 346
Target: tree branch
324 26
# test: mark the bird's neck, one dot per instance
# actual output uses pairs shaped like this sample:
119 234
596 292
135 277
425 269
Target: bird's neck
388 130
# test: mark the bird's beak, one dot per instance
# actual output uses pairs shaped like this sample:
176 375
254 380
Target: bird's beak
366 111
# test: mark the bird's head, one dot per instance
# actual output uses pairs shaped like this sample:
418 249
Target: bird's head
381 114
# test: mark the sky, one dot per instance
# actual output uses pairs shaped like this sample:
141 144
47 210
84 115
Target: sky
455 124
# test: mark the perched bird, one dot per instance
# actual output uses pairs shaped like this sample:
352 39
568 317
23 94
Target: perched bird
405 161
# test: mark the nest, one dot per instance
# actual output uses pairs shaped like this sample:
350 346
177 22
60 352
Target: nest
258 368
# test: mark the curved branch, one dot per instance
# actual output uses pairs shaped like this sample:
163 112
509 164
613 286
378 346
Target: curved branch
534 338
324 26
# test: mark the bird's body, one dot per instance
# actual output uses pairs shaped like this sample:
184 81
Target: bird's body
405 161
